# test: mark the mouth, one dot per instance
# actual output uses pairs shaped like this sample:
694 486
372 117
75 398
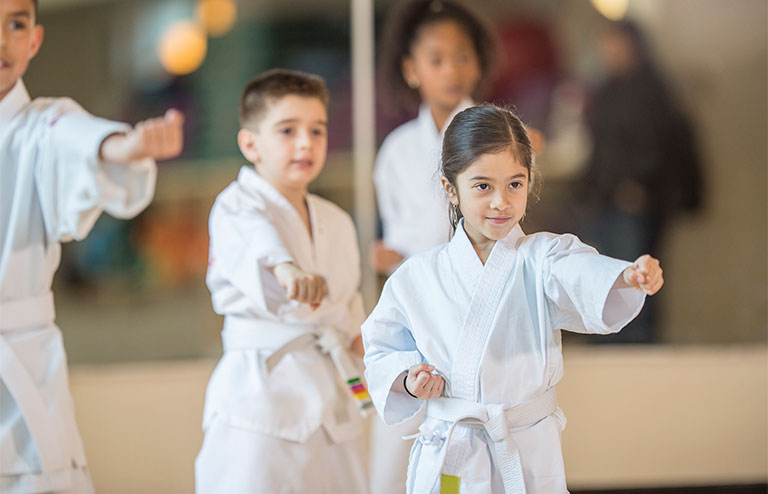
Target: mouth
498 220
302 163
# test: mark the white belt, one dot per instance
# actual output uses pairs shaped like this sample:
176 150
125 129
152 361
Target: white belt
27 313
280 339
18 315
496 420
244 333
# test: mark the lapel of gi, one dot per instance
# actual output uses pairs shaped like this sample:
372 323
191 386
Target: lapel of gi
482 307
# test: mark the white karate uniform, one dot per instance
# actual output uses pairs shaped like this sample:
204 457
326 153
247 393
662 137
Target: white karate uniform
493 332
294 429
52 190
412 204
414 215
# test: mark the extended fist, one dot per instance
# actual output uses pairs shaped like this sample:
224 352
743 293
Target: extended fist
299 285
157 138
645 274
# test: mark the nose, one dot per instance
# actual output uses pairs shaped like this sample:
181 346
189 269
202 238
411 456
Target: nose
499 202
303 140
451 68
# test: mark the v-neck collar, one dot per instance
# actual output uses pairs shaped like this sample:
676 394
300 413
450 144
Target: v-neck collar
251 179
16 99
466 259
427 121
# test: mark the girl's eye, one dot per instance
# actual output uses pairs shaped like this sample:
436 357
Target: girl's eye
435 62
462 59
516 185
286 131
318 132
483 187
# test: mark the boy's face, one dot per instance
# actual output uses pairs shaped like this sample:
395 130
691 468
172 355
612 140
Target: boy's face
20 38
289 144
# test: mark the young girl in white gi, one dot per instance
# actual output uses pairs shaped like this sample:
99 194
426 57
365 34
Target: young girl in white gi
472 328
437 55
60 168
284 271
434 56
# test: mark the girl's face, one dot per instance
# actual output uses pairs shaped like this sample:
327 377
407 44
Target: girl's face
492 194
443 65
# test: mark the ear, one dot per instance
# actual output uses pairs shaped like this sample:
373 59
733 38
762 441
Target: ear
450 191
38 33
246 141
409 73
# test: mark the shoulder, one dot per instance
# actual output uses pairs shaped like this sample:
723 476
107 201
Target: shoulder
421 266
401 134
547 244
50 109
332 213
238 198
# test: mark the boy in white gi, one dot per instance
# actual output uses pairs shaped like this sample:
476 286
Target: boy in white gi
284 271
59 169
472 328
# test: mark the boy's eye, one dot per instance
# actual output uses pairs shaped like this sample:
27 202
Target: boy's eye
462 59
435 61
17 25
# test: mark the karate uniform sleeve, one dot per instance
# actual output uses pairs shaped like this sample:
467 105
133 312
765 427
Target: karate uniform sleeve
244 247
580 285
74 185
390 350
386 195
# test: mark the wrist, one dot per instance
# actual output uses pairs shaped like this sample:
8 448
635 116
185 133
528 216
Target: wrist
405 386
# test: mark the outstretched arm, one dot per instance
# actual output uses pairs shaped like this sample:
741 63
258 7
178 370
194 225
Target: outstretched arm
157 138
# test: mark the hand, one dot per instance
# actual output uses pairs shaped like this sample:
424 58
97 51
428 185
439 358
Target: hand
422 384
645 274
158 138
299 285
384 260
356 347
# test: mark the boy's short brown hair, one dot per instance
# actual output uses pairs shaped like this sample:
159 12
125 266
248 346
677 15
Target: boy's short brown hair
275 84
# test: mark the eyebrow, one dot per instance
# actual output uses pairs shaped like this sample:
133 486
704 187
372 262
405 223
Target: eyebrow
21 13
478 177
294 120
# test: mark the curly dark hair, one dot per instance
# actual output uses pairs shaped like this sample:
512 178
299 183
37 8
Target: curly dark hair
401 29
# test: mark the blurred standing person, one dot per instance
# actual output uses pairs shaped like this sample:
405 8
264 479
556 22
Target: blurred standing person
644 166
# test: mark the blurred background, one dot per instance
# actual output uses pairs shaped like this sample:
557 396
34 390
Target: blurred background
684 405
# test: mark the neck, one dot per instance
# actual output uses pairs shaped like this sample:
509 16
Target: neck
294 195
440 115
482 244
5 93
